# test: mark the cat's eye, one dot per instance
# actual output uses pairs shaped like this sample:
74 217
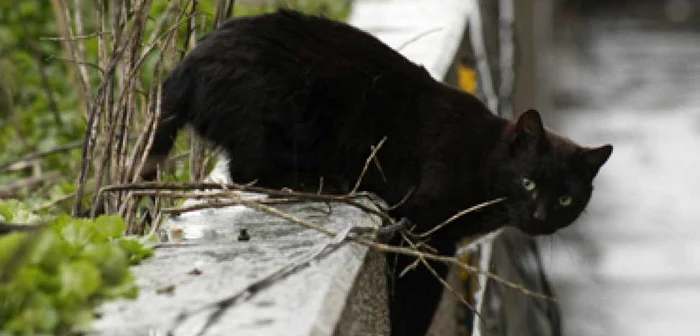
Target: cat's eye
565 200
528 184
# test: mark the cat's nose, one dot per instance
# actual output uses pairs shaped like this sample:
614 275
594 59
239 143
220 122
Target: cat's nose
540 212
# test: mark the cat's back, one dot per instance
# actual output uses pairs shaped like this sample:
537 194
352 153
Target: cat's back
292 39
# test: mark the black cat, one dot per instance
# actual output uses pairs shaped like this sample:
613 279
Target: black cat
294 98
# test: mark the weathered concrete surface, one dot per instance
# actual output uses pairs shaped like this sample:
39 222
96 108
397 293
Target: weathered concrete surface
308 302
631 265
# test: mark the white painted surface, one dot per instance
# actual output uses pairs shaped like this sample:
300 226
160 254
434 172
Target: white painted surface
429 30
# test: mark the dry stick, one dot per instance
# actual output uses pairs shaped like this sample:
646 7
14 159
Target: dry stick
458 215
223 204
348 199
151 136
437 276
403 200
134 171
209 159
63 15
197 149
31 183
417 247
41 154
151 130
180 194
451 290
53 105
375 149
170 11
418 37
129 78
79 50
76 61
190 28
91 136
55 202
74 37
127 101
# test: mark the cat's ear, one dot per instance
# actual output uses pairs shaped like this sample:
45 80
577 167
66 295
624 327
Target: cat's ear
529 133
530 124
594 158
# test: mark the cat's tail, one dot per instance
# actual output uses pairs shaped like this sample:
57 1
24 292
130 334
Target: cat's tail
175 104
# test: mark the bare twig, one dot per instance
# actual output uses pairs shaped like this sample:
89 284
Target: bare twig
12 190
403 200
223 204
348 199
74 38
458 215
55 202
371 157
418 37
41 154
450 289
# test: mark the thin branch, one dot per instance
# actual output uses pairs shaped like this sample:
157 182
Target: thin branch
55 202
41 154
403 200
375 149
418 37
451 290
74 38
79 62
223 204
347 199
12 190
458 215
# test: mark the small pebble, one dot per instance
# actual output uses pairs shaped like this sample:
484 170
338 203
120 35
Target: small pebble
170 289
243 235
195 271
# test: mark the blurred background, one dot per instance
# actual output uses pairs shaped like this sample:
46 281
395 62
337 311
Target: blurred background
627 72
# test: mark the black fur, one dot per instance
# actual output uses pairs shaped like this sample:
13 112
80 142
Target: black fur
293 98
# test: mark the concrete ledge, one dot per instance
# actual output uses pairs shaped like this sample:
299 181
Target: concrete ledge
309 302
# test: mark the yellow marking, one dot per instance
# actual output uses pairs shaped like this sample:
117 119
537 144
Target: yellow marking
468 78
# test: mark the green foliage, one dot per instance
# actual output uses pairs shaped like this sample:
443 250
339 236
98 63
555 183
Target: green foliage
28 122
69 268
40 96
51 281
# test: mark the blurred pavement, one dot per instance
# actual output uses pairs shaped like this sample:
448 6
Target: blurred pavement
631 265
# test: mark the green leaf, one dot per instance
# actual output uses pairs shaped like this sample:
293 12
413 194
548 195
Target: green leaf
110 226
79 279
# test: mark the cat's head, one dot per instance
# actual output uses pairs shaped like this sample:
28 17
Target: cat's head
547 179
